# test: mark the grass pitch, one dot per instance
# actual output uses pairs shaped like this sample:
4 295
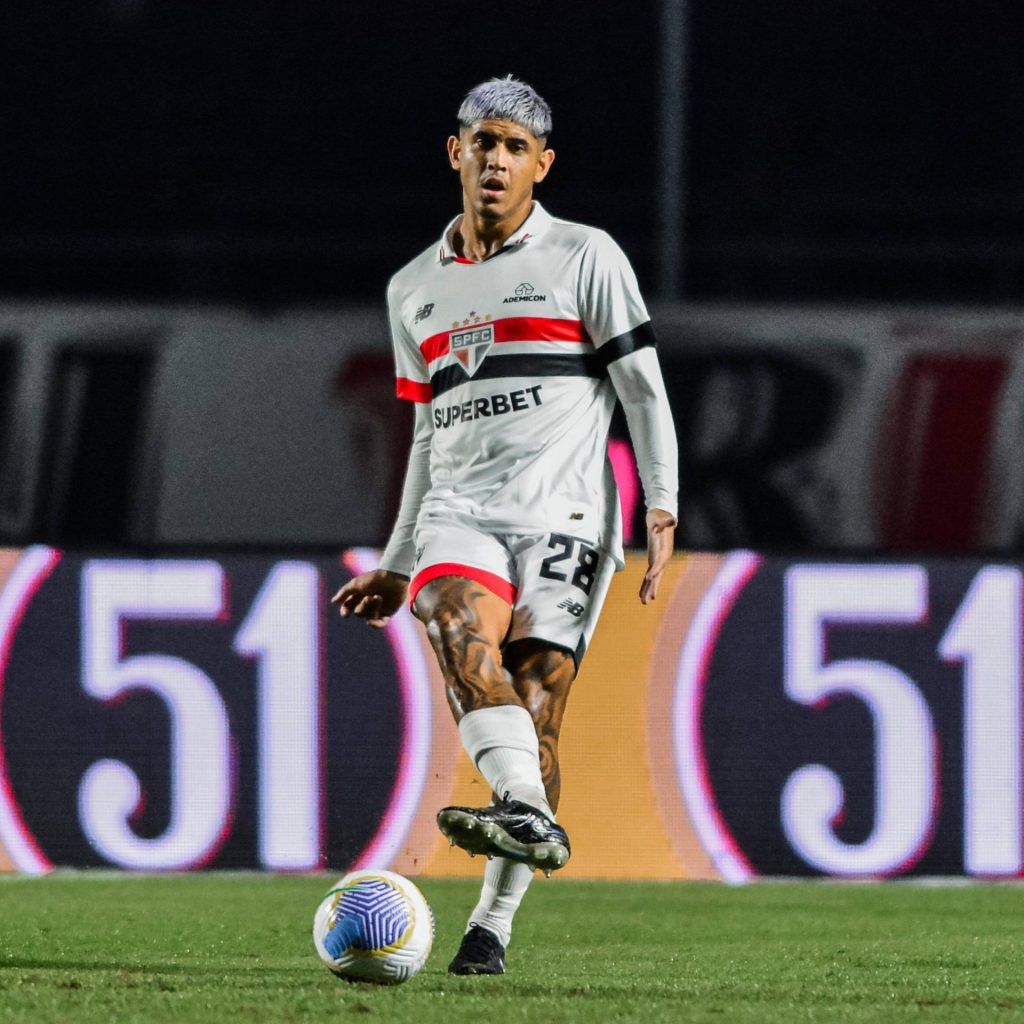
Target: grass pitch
213 948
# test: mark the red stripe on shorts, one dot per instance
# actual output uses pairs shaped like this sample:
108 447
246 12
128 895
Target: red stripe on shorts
495 584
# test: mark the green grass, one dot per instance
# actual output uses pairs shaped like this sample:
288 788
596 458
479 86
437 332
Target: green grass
84 949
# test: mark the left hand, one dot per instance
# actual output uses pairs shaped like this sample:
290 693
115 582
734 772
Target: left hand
373 596
661 532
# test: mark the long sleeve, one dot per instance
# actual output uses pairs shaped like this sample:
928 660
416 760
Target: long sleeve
638 382
618 322
400 553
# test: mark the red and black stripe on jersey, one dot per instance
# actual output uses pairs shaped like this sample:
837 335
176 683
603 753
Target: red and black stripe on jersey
591 363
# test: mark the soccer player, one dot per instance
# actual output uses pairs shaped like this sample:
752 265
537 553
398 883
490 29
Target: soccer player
514 336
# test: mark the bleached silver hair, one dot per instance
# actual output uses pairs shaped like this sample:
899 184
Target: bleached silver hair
507 99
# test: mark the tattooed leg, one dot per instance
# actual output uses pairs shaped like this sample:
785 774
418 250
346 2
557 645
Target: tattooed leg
542 677
466 624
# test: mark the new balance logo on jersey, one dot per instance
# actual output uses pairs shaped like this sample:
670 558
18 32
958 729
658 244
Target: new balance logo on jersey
572 607
471 346
525 292
423 312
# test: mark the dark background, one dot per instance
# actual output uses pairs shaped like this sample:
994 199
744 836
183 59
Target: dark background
269 152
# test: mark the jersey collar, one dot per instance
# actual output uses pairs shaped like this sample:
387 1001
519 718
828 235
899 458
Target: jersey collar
538 221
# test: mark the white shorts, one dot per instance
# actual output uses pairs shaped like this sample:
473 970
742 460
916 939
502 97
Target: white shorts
555 583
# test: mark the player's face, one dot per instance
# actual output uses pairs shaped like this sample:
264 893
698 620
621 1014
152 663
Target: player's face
498 162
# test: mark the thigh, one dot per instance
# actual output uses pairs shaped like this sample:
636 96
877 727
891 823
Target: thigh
462 593
563 582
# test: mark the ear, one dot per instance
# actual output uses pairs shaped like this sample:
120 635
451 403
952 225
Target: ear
454 151
544 162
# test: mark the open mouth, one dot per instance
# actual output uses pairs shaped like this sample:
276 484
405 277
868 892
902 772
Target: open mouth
493 188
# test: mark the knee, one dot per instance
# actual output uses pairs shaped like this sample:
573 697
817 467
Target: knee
542 676
540 666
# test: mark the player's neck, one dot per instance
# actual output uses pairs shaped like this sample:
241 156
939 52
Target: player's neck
475 238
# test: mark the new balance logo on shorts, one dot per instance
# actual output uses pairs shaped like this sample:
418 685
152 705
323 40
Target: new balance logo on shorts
572 607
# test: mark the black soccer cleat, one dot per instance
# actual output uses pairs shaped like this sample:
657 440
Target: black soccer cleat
509 829
480 953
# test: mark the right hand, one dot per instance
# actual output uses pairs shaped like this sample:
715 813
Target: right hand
373 596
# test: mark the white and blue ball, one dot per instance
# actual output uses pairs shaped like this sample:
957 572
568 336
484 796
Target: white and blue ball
374 926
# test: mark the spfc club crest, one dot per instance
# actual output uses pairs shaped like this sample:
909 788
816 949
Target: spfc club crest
471 344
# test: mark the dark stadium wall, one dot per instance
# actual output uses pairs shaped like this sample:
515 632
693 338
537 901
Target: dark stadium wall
833 152
801 430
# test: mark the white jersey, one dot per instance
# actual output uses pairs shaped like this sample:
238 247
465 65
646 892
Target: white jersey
512 354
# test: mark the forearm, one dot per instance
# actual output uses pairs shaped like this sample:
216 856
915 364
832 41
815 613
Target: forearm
640 387
400 553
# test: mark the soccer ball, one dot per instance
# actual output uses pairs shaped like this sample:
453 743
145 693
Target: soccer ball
374 926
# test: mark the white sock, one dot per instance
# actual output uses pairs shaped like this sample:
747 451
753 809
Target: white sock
505 885
503 744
